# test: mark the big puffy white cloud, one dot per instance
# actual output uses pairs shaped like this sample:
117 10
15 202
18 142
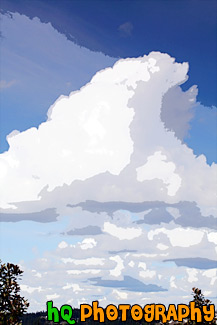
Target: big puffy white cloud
135 208
122 124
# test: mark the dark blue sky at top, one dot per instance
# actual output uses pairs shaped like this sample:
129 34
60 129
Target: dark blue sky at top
185 29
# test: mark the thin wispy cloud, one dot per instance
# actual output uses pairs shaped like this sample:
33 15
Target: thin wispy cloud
6 84
126 29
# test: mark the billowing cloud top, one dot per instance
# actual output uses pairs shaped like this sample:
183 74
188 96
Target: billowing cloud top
122 124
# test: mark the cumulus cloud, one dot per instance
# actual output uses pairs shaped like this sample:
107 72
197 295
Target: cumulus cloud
140 203
109 136
192 237
156 167
121 233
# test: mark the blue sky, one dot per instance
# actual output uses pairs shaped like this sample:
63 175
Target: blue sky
108 171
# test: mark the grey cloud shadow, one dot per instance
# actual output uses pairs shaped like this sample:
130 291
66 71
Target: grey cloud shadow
44 216
194 262
190 214
112 206
89 230
123 251
192 217
129 284
156 216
